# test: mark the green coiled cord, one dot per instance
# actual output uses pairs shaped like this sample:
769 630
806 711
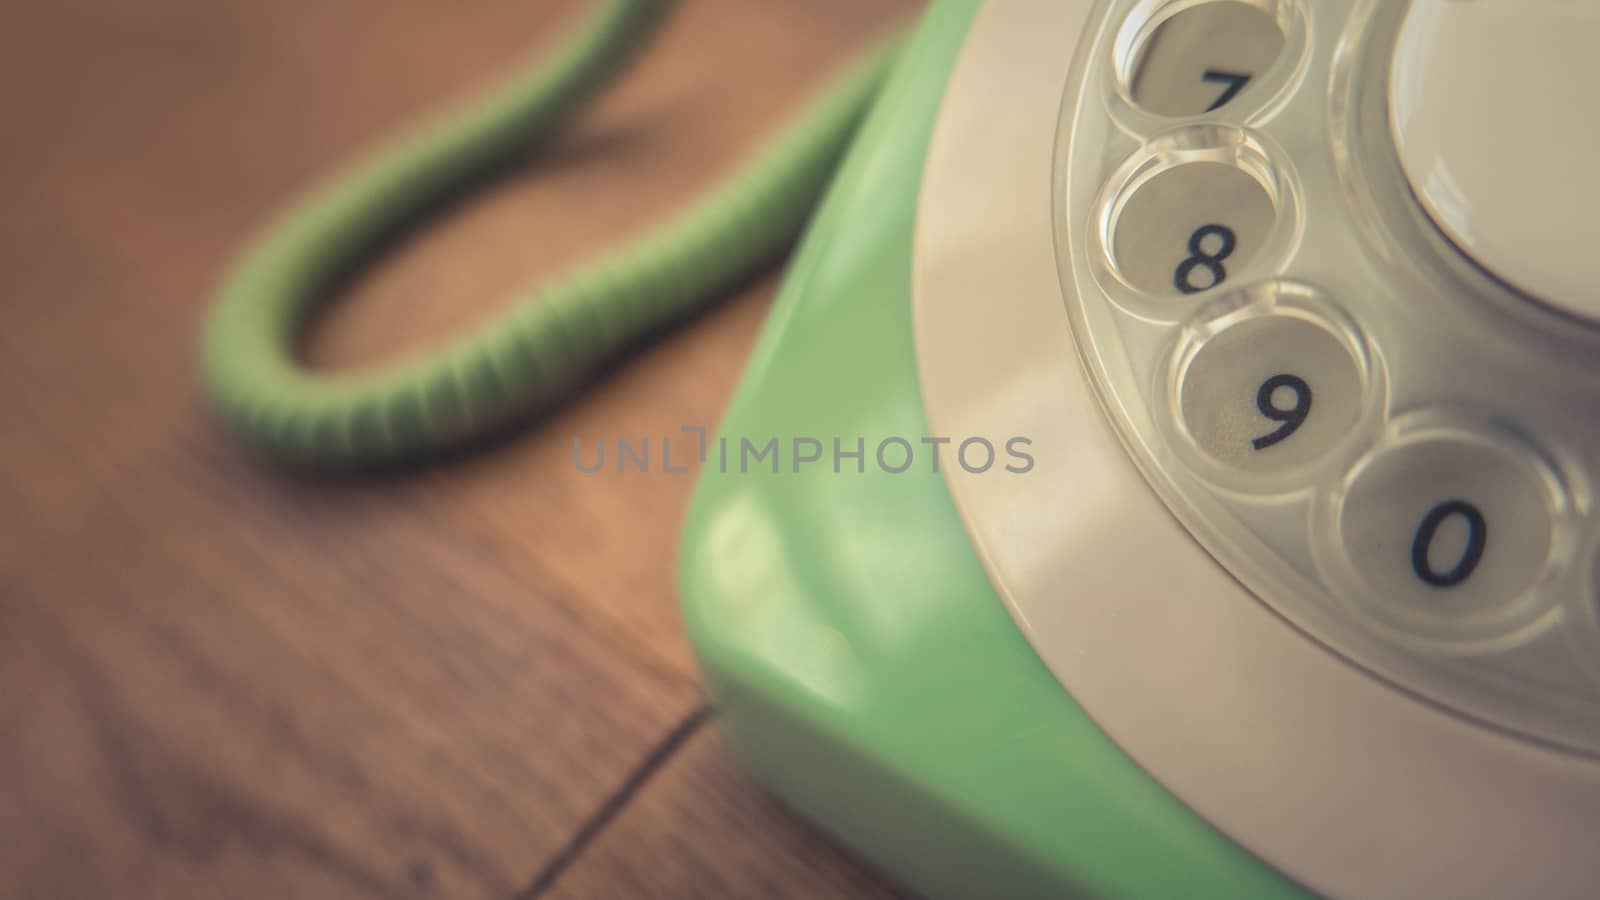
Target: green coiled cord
546 343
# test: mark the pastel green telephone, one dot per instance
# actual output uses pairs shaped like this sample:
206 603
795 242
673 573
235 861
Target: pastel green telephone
1167 471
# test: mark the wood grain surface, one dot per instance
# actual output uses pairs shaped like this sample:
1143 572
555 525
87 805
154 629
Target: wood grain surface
219 679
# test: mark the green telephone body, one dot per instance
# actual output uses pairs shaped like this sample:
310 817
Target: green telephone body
862 667
1283 312
1280 569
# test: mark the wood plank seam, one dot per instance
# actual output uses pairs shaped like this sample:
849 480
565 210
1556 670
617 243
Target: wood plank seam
614 804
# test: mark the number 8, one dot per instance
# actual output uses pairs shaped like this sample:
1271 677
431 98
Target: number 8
1200 259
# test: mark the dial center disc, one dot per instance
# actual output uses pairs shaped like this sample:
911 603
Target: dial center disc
1494 114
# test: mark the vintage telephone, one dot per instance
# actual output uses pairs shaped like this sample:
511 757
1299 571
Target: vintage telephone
1174 442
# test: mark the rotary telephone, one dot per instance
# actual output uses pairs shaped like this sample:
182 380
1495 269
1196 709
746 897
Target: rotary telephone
1288 305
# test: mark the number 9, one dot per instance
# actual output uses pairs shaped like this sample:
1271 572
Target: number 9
1292 418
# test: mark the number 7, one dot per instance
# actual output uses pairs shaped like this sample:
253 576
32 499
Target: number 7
1234 81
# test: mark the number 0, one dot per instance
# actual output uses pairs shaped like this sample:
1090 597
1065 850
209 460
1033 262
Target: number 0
1477 539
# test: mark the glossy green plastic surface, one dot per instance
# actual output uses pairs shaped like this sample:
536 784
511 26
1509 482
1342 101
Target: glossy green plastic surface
862 666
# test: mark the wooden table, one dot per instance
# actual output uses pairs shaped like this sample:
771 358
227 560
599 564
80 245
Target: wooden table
218 679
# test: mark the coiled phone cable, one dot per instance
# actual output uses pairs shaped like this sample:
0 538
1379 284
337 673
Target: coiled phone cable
547 343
